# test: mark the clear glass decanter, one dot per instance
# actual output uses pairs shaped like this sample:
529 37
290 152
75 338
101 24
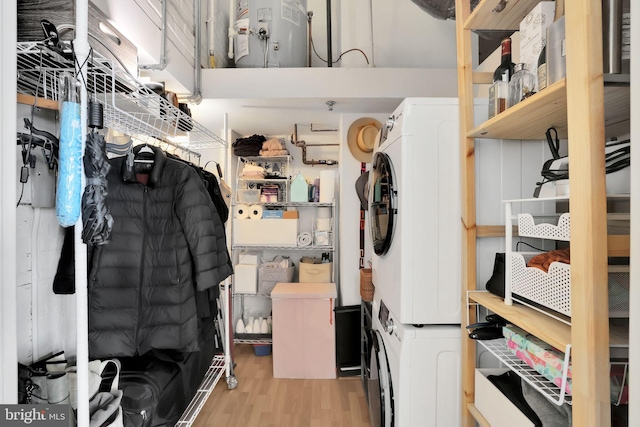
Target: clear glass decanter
522 84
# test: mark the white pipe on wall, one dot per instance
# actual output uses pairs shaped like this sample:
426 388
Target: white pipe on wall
162 63
8 177
232 23
82 49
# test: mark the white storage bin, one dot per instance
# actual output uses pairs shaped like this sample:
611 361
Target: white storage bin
245 279
552 289
494 406
266 232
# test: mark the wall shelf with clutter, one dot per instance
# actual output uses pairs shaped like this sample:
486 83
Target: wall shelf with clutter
129 106
580 99
281 231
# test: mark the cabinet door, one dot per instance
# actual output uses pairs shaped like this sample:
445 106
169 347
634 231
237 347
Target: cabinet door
319 338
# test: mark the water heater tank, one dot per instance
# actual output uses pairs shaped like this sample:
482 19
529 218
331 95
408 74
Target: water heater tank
271 33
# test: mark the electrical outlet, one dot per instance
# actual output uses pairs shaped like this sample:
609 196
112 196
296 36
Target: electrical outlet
263 30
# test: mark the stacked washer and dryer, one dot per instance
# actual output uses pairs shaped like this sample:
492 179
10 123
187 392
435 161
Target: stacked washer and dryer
414 217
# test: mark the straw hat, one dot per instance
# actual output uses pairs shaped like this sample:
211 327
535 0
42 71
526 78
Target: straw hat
362 136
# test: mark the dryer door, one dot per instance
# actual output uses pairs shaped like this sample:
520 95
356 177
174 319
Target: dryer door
382 203
380 390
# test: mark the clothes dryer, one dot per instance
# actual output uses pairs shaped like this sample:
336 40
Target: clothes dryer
414 213
415 373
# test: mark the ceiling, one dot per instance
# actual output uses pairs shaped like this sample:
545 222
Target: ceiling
277 116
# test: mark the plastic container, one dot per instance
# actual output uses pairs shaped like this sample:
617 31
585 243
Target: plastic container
262 349
249 196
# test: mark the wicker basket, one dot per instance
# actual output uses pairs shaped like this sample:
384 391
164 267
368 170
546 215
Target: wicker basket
366 285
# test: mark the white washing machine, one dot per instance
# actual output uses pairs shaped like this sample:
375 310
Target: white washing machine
415 373
414 212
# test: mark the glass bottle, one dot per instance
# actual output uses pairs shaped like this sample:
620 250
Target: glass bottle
542 69
498 91
506 66
522 85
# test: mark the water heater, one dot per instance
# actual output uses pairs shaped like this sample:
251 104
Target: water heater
271 33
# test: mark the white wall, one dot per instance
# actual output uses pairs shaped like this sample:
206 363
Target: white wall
46 322
402 35
8 333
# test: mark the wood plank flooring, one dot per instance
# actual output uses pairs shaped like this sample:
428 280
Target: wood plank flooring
261 400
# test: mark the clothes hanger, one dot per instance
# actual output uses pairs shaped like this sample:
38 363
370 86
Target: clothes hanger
145 149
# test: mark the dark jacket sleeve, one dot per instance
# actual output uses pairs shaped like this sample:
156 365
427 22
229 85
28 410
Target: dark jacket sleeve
201 226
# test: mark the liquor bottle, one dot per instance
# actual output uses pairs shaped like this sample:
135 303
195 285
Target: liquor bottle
498 96
499 91
542 69
506 66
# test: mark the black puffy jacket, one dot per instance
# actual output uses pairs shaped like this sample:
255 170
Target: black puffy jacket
167 242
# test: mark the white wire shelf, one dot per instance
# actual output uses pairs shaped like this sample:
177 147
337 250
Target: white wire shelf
499 349
211 378
289 204
285 248
129 107
243 341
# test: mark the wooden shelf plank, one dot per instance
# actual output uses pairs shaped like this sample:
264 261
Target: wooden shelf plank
477 415
486 16
48 104
618 246
544 327
531 118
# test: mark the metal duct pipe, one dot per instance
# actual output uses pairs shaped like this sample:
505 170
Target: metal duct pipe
163 43
303 146
196 98
211 33
329 53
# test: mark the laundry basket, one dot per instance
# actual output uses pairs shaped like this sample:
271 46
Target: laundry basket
366 285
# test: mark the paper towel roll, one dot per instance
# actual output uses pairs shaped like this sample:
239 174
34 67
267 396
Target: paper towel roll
327 186
241 211
256 326
323 224
323 213
304 239
255 212
264 326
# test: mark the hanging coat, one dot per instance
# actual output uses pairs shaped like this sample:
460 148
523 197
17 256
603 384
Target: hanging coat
167 243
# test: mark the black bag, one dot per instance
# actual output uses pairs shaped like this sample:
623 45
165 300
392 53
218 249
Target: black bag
159 385
495 285
153 392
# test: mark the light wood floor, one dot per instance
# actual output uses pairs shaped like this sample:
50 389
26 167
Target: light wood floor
261 400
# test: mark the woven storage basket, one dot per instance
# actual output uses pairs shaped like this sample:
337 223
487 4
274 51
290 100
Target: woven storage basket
366 285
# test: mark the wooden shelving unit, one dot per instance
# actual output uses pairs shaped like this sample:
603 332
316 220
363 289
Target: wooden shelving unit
581 107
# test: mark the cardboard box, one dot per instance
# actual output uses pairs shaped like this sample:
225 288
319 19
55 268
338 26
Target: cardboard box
533 34
494 405
290 215
266 232
315 273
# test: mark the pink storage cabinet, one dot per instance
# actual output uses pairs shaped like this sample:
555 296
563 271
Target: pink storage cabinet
304 343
